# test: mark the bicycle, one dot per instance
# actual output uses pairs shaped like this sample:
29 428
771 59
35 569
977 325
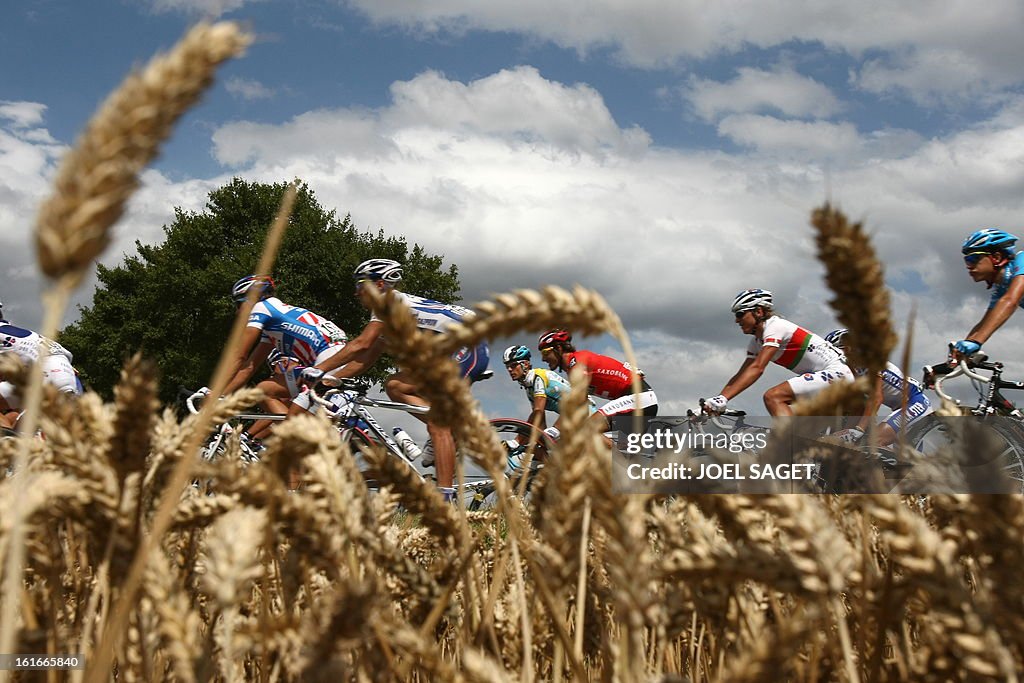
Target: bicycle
217 444
997 412
347 404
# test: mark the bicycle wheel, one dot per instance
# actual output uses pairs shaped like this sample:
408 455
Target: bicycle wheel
932 434
482 495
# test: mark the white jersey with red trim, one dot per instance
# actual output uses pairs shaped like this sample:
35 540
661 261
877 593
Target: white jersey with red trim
799 350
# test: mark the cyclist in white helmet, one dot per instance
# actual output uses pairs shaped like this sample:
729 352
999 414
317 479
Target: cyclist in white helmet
31 347
363 351
816 362
889 389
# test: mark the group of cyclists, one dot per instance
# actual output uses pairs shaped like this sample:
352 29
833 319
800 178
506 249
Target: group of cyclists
305 350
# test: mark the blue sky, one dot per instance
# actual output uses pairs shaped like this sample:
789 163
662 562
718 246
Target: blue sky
664 152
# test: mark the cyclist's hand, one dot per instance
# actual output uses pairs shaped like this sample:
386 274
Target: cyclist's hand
967 347
716 404
311 375
851 435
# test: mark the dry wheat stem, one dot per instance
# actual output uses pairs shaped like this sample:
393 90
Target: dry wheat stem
180 474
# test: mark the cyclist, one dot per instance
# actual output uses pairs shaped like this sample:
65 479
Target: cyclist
30 347
363 351
888 390
990 257
607 377
282 368
295 332
817 362
544 388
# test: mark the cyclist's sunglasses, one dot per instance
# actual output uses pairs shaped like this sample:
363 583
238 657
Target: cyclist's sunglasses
975 256
740 314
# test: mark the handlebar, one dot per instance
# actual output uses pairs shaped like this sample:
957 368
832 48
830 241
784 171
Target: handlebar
702 417
190 402
935 376
354 396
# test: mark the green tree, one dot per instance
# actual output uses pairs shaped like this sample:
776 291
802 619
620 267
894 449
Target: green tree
172 300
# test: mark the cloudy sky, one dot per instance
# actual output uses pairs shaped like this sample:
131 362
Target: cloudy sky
664 152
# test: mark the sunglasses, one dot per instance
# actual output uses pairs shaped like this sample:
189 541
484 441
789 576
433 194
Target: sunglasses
740 314
974 257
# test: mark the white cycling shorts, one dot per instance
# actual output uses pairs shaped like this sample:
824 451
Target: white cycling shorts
626 404
57 371
813 382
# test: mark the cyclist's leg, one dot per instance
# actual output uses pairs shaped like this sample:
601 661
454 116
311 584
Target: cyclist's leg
276 401
779 399
9 405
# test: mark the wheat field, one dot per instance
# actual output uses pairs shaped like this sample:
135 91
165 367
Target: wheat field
108 552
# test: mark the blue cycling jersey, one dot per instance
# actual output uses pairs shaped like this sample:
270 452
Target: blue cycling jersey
1011 270
295 331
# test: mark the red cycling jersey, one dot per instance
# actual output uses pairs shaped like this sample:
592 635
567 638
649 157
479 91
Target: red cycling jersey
608 378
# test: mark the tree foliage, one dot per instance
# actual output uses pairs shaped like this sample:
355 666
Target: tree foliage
172 300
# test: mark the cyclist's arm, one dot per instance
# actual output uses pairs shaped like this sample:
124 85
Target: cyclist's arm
358 347
366 353
999 313
873 404
537 417
246 359
749 372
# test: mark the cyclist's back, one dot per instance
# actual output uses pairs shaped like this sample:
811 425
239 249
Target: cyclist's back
31 347
295 332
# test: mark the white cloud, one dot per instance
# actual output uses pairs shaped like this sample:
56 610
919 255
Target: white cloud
22 114
668 236
813 139
981 38
206 8
248 89
755 90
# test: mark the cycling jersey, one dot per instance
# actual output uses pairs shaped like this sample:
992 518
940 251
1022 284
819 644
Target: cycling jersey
607 377
893 383
53 358
295 331
431 315
435 316
1014 268
550 385
799 350
25 343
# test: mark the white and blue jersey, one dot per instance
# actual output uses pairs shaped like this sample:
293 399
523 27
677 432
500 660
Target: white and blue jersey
1011 270
294 331
439 317
31 347
893 383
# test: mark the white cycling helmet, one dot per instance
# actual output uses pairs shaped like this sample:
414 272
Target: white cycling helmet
749 299
379 269
837 338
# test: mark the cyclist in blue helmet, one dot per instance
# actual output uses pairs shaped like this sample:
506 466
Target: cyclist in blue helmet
990 257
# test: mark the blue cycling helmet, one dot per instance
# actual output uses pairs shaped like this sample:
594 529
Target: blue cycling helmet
989 239
515 354
837 338
240 290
